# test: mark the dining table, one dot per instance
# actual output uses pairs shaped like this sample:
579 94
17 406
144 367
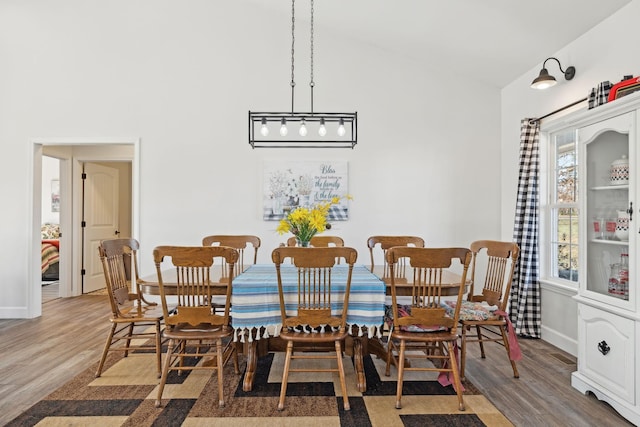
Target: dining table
255 307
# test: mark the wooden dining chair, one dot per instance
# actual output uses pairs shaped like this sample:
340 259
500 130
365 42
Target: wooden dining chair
193 327
423 329
380 245
241 243
383 243
131 315
320 241
318 315
483 315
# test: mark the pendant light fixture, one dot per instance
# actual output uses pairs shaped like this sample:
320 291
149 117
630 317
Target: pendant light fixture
302 129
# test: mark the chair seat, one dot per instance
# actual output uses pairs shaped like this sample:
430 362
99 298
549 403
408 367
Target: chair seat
131 314
203 331
405 310
313 337
436 336
473 311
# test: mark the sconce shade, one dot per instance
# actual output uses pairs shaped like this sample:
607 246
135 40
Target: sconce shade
545 80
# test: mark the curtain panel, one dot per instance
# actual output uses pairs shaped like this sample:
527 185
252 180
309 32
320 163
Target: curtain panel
524 307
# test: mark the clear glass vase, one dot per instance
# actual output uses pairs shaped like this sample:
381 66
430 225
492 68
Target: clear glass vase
302 243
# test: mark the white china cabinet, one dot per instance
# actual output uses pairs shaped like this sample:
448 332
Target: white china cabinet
608 297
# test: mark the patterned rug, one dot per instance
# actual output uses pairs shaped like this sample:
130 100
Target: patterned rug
125 395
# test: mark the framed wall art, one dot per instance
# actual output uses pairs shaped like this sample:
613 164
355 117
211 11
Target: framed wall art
55 195
289 184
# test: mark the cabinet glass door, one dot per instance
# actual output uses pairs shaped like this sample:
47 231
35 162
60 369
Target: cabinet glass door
606 166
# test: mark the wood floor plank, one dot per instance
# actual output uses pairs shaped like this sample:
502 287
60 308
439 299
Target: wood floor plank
39 355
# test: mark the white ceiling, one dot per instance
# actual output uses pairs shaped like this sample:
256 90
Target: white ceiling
493 41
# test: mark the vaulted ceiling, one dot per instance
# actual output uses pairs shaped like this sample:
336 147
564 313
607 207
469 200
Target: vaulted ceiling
492 41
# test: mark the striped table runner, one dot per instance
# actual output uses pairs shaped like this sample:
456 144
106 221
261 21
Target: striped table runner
255 302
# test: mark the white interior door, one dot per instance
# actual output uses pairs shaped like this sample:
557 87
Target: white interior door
101 219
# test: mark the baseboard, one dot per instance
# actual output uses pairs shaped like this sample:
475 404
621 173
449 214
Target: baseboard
14 313
559 340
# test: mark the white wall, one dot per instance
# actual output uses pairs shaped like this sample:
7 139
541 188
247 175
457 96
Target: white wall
182 78
606 52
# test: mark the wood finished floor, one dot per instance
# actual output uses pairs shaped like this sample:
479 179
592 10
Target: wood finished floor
39 355
50 290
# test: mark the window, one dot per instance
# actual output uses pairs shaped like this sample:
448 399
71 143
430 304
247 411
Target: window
563 206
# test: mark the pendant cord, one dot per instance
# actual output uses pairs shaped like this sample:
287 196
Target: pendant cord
293 41
311 83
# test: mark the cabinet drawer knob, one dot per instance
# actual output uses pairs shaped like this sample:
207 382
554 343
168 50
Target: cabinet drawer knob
603 347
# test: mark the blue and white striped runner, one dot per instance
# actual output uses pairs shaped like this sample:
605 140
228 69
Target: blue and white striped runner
255 302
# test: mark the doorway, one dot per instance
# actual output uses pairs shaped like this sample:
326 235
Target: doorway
50 228
74 154
106 211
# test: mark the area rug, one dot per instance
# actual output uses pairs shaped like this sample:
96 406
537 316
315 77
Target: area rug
125 395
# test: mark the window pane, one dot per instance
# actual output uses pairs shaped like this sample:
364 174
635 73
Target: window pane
567 225
566 168
564 245
563 200
568 262
566 185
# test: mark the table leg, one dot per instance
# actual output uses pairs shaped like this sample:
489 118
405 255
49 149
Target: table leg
377 348
252 363
359 364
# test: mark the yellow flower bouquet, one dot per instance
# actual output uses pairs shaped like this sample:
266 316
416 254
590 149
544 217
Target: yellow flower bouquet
304 223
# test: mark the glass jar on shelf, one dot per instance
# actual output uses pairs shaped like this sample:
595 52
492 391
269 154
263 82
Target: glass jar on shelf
624 275
618 285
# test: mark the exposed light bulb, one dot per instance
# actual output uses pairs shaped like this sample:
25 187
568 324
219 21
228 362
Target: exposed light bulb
264 130
322 131
303 128
544 85
283 128
341 130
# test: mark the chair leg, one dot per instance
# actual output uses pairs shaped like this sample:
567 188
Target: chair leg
182 350
463 350
165 373
456 375
285 375
505 339
130 334
479 332
390 358
236 365
400 374
107 346
343 383
220 369
158 349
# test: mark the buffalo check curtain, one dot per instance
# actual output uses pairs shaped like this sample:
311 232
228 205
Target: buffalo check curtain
524 308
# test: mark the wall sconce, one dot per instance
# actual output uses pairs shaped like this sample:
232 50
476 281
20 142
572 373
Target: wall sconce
544 80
